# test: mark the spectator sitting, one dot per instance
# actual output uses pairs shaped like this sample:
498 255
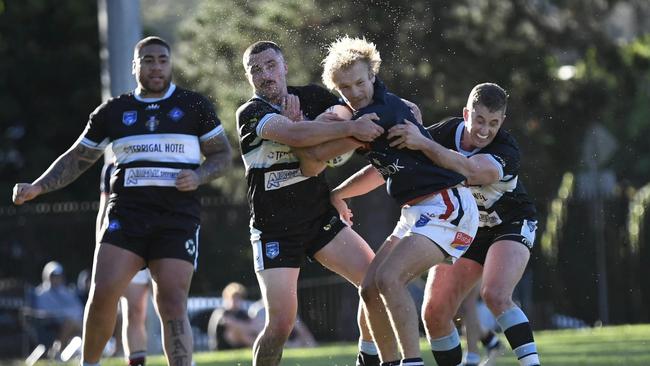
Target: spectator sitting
57 306
233 326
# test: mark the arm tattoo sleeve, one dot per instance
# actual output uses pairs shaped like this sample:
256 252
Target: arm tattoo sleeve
68 167
218 157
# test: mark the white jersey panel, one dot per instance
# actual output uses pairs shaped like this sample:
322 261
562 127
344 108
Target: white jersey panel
168 148
267 154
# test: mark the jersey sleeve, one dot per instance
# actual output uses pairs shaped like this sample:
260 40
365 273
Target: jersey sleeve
95 135
209 124
251 118
506 157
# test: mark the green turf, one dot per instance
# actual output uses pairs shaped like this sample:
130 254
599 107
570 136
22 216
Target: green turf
618 345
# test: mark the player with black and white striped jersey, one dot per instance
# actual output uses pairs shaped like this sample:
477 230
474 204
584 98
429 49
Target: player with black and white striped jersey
477 147
159 134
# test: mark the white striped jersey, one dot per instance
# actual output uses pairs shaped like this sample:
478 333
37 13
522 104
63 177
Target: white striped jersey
152 140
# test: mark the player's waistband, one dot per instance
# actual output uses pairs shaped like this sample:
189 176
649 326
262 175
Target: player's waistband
419 199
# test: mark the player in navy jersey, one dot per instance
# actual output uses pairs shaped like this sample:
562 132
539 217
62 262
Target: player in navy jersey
159 133
441 213
291 216
477 147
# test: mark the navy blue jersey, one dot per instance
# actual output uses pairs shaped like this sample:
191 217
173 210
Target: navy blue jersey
281 199
152 140
505 201
408 173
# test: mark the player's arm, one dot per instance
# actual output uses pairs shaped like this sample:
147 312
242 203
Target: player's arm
218 157
63 171
309 133
414 109
479 169
360 183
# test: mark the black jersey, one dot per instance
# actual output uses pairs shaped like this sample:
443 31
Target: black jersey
281 199
152 140
505 201
408 173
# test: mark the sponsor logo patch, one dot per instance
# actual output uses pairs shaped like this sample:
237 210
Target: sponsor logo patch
272 249
461 241
282 178
129 117
163 177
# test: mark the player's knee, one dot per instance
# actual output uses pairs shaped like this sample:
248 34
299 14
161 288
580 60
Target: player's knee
496 299
279 327
386 282
436 315
172 305
369 292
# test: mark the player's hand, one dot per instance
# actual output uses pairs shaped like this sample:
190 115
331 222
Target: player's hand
342 207
414 109
187 180
407 135
328 116
365 129
24 192
291 108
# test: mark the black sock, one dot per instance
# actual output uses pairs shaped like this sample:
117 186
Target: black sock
450 357
391 363
415 361
364 359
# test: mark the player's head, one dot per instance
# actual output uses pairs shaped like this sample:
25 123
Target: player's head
484 113
233 294
350 68
53 274
152 66
266 70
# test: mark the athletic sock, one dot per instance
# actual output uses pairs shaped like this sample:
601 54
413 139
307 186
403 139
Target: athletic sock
490 340
471 359
517 329
391 363
446 350
89 364
137 358
368 355
415 361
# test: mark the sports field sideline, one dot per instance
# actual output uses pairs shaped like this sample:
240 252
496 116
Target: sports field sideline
615 345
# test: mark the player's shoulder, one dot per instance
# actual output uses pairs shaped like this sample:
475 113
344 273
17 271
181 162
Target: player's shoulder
309 89
504 140
253 108
446 125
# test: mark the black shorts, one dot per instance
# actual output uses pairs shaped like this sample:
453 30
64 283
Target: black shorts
520 231
289 251
152 235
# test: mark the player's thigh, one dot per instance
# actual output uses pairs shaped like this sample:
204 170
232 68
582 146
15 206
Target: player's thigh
279 288
504 265
347 255
411 256
448 284
113 268
171 277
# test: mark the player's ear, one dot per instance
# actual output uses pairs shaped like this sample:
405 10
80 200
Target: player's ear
465 113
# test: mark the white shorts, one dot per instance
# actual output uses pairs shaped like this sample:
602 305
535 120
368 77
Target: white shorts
449 218
141 278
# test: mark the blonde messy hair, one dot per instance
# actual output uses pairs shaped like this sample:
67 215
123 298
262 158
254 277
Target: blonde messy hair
344 52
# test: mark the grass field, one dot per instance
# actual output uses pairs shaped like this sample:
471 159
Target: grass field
619 345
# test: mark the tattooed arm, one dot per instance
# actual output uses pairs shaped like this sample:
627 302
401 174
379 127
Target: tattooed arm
218 157
62 172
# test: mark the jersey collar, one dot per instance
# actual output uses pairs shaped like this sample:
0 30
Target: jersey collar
275 106
459 135
170 91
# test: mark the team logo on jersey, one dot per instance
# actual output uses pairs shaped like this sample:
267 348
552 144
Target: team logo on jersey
152 123
129 117
422 221
114 225
190 246
152 107
272 249
176 114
